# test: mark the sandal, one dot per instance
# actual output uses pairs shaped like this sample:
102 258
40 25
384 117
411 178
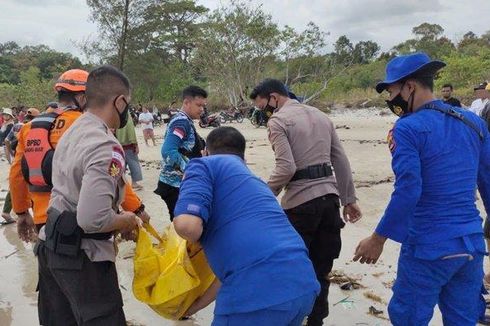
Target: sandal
7 222
484 320
137 187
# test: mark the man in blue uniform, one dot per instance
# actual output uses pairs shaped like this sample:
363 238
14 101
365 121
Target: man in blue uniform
440 154
266 277
181 143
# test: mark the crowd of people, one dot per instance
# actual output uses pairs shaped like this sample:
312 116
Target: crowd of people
71 197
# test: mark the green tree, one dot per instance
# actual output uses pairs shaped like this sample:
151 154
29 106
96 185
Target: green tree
173 26
14 60
364 52
343 51
429 39
428 31
33 90
465 71
298 50
238 41
119 24
471 43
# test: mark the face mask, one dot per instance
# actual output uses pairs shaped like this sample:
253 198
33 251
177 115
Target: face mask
269 107
398 105
79 107
123 116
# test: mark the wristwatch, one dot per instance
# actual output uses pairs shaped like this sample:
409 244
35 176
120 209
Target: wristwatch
140 209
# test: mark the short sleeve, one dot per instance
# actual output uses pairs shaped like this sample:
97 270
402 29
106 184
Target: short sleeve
103 169
196 191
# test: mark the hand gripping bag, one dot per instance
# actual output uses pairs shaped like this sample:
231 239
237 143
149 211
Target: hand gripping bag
171 274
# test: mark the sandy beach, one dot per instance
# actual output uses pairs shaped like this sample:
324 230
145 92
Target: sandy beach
363 134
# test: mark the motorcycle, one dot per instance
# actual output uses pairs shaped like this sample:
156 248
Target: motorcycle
236 115
209 120
258 117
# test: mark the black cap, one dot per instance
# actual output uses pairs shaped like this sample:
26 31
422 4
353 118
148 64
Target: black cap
481 86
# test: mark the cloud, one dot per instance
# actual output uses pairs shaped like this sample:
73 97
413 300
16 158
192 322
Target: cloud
57 23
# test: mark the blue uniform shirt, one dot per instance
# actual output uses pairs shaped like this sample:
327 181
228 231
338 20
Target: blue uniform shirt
179 135
437 161
250 244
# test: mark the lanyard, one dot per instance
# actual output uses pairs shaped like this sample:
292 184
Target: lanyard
448 110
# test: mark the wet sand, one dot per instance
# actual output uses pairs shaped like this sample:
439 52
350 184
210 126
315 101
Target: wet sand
363 134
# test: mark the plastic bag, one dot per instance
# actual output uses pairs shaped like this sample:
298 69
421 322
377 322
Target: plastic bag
170 275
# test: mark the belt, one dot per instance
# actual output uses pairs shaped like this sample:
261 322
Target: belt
129 146
313 172
97 236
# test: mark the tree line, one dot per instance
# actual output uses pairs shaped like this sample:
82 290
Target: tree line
165 45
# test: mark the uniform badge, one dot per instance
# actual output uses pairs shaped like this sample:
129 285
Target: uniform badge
114 170
398 110
116 167
391 141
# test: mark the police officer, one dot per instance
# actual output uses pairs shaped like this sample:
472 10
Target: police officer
77 275
307 150
439 155
180 144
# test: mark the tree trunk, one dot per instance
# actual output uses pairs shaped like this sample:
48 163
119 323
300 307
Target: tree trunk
124 34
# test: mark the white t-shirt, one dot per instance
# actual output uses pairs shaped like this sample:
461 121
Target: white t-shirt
478 105
146 120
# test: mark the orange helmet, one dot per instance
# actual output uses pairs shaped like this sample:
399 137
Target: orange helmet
73 80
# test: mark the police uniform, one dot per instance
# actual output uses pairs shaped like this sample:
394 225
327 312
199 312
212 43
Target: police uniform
181 143
77 275
439 154
307 150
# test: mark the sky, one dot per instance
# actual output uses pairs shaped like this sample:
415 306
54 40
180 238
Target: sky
60 24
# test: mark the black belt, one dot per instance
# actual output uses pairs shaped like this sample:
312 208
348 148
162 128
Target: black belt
97 236
313 172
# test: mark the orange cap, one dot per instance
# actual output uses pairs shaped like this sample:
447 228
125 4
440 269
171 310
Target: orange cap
73 80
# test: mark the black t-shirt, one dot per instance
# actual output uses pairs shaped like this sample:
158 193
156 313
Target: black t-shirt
452 101
4 134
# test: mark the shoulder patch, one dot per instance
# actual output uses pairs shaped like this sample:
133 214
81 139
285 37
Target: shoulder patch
391 140
116 167
179 132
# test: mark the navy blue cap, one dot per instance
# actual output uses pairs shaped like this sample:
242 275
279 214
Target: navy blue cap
404 66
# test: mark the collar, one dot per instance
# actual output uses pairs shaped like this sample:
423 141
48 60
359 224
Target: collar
422 107
187 116
287 103
97 119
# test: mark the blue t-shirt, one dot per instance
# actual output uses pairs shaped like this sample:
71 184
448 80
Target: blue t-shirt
438 161
250 244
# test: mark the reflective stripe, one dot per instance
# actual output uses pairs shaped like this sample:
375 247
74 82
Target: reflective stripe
44 119
71 82
470 257
36 172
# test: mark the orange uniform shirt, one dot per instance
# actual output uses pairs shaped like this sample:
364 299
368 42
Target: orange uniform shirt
23 199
